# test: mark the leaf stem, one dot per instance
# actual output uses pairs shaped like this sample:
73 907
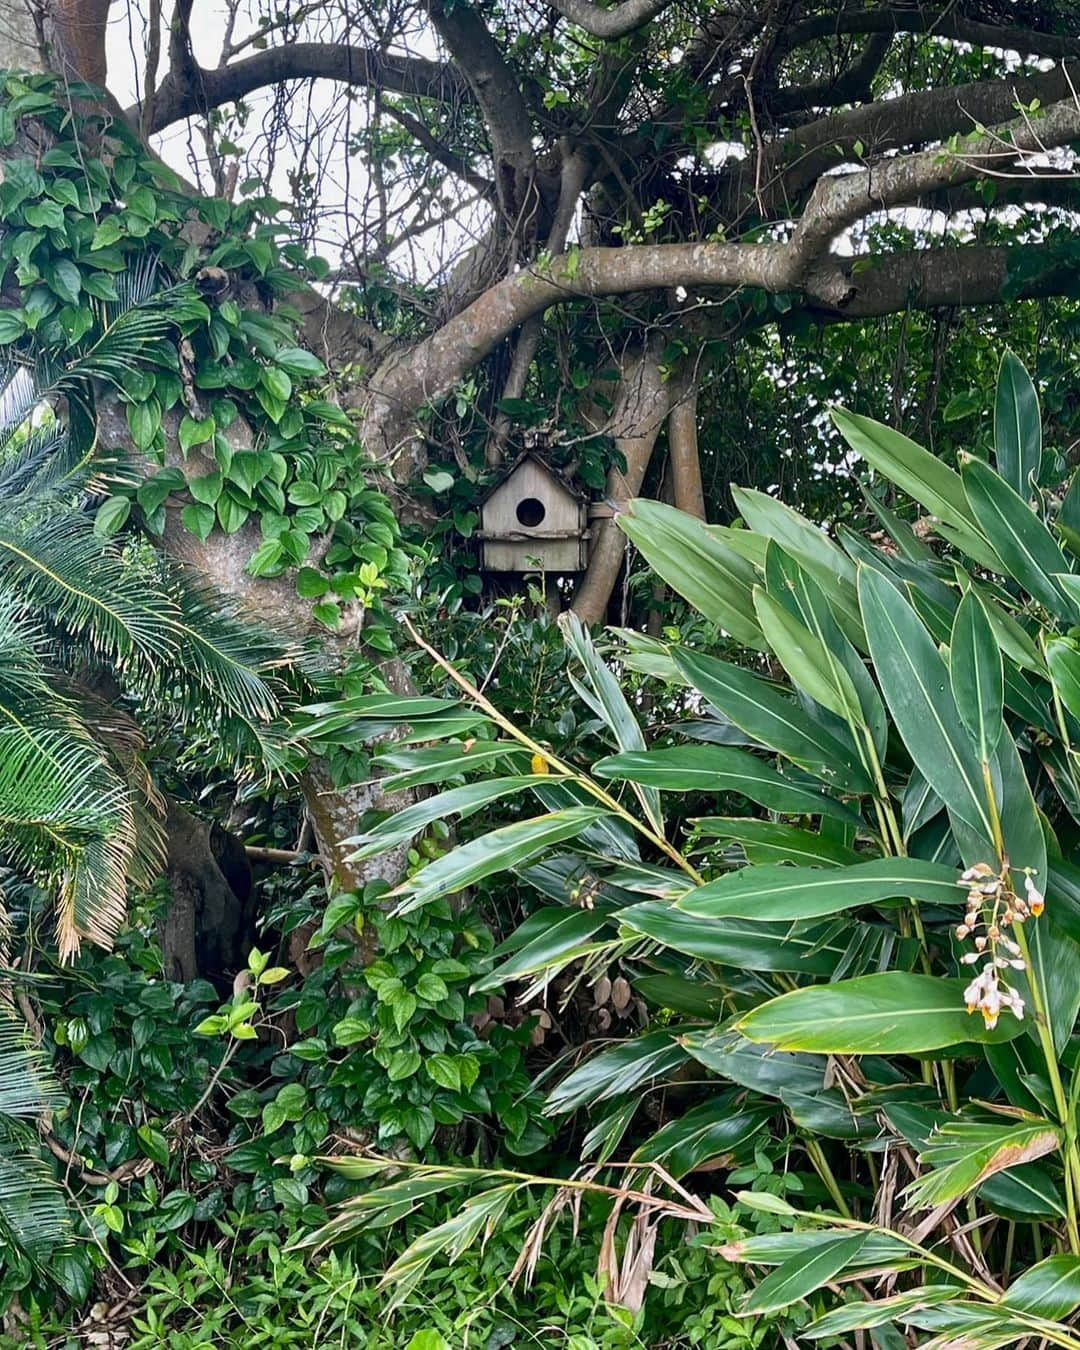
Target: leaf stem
563 769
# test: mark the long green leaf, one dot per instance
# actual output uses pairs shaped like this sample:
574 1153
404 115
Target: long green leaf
604 696
811 548
890 1013
793 587
806 659
510 846
1017 427
1050 1289
459 801
770 894
705 1132
722 768
743 944
699 565
1028 551
768 841
977 676
921 475
769 717
916 687
878 1312
803 1274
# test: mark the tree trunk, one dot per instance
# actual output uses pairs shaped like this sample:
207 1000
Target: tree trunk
641 404
685 461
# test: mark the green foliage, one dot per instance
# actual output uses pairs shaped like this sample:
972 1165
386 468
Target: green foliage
78 226
906 691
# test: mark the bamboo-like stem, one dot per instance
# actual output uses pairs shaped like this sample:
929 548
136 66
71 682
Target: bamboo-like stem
563 769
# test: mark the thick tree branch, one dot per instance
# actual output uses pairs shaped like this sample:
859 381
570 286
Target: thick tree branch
189 93
609 23
943 22
684 460
498 96
429 370
641 403
933 278
852 85
793 163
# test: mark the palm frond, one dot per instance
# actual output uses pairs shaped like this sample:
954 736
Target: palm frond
63 570
33 1216
233 660
43 459
66 819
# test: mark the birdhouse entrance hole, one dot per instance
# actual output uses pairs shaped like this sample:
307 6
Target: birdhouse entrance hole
531 512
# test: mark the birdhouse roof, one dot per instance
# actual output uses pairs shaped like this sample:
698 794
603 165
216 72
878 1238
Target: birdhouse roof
512 468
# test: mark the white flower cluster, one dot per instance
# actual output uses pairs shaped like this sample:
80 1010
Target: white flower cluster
993 906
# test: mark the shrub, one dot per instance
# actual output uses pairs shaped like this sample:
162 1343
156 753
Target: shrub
848 947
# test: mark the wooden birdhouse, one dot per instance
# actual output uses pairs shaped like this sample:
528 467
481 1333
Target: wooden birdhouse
534 519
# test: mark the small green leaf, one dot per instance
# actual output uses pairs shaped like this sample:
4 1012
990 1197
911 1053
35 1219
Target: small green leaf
111 516
199 519
195 431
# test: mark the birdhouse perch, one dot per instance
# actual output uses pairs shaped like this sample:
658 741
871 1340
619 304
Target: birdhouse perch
534 519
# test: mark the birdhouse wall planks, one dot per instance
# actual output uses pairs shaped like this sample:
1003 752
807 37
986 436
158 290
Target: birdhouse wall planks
534 519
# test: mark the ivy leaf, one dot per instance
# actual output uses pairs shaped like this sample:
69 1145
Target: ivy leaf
199 519
12 325
299 362
195 431
206 489
109 232
64 280
111 516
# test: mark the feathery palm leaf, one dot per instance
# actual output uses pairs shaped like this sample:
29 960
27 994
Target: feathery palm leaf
32 1212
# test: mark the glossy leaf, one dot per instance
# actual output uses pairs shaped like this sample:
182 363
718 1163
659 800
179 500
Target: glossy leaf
915 683
622 1068
1050 1289
510 846
460 801
806 659
1028 551
744 944
696 563
800 1276
811 548
878 1312
976 675
890 1013
769 717
964 1153
721 768
1017 427
793 586
546 941
764 894
921 475
767 841
703 1134
601 692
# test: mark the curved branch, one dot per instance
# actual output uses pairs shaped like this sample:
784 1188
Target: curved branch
609 23
641 403
498 96
794 162
934 278
428 370
185 94
939 22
